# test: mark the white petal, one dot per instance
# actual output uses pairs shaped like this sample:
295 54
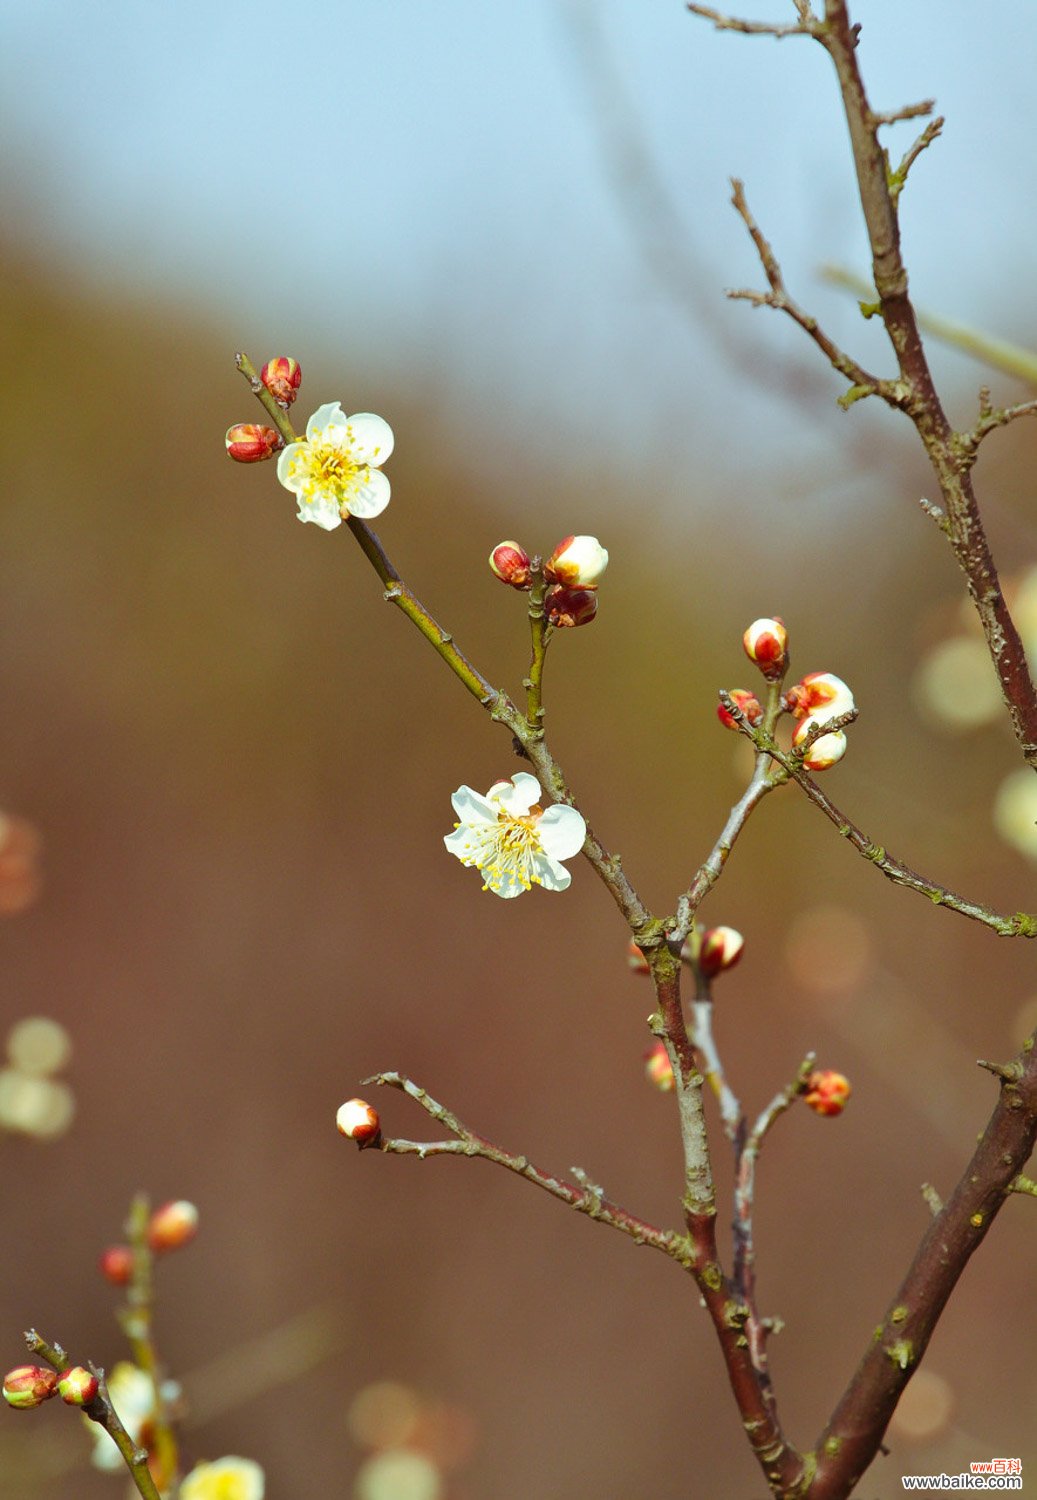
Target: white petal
329 415
370 438
507 885
553 876
460 844
369 496
562 832
322 510
471 808
518 796
285 460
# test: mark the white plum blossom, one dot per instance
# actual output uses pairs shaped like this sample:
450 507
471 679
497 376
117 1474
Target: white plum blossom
335 471
226 1479
511 839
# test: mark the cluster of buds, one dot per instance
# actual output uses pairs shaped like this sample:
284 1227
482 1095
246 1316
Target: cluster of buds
827 1092
573 572
358 1121
28 1386
815 701
170 1227
248 442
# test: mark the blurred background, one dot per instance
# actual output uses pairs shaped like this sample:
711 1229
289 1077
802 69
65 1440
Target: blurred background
507 230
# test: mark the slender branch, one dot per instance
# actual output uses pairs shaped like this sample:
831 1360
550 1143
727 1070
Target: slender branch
855 1430
135 1320
705 1045
807 25
587 1198
540 633
898 179
990 420
861 382
101 1411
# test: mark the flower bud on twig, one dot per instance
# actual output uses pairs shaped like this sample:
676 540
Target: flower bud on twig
766 644
511 564
826 749
77 1386
566 607
116 1264
27 1386
746 702
578 562
720 948
358 1121
827 1092
173 1225
658 1068
248 443
282 377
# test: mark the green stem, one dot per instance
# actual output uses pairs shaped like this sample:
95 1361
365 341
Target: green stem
540 635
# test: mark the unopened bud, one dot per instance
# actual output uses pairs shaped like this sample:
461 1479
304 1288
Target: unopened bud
826 749
578 562
358 1121
636 959
248 443
658 1068
820 691
747 703
172 1225
282 377
19 864
567 607
720 948
116 1265
827 1092
766 644
511 564
77 1386
27 1386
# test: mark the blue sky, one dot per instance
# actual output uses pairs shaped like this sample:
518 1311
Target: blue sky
435 187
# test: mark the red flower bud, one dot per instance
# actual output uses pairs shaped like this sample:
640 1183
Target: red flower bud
511 564
282 377
249 444
720 948
172 1225
76 1386
578 562
567 607
116 1265
747 702
827 1092
636 959
27 1386
358 1121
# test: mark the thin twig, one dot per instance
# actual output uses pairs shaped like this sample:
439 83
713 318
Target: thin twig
585 1199
898 179
806 25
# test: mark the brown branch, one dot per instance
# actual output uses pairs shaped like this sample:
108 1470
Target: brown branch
898 179
861 382
989 421
585 1199
807 25
855 1430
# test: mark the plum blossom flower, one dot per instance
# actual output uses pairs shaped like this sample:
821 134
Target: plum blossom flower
335 471
225 1479
511 839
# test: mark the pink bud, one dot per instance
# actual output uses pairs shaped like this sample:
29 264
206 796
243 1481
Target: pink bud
747 702
567 607
658 1068
827 1092
511 564
116 1265
358 1121
766 642
173 1225
282 377
578 562
27 1386
720 948
249 444
77 1386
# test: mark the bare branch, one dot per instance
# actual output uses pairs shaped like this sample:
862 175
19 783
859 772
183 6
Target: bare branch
907 112
898 179
807 25
967 443
861 382
585 1199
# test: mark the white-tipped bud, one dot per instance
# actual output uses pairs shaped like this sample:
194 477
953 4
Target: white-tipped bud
820 693
358 1121
825 750
720 948
577 562
766 643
